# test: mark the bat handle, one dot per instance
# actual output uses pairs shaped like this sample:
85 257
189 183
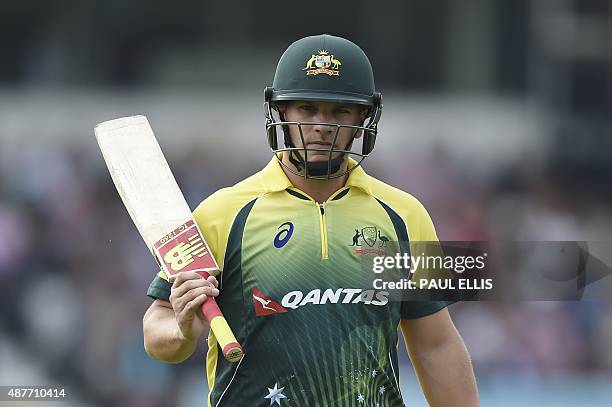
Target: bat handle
232 351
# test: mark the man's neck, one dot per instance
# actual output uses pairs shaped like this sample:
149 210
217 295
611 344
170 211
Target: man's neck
319 190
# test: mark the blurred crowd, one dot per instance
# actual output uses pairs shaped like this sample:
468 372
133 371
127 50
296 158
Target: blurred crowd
74 272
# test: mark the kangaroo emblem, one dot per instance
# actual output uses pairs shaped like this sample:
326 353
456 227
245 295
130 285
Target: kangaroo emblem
309 64
263 302
356 238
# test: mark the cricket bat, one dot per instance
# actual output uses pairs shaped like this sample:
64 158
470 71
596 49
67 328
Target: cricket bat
158 208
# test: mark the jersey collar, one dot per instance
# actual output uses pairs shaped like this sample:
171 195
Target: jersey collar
358 178
274 178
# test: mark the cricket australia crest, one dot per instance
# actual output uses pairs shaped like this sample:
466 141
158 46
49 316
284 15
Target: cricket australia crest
368 235
323 62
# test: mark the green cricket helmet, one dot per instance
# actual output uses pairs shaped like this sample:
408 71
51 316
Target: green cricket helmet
322 68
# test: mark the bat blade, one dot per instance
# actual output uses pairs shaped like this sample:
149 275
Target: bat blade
142 176
159 210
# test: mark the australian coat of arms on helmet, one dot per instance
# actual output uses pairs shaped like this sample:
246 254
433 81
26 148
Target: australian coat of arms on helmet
323 62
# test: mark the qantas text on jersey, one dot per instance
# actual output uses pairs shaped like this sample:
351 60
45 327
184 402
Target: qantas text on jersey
296 299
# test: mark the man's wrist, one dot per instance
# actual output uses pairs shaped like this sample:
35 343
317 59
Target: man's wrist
181 338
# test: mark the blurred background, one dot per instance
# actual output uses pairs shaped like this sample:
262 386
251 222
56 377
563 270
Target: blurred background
497 117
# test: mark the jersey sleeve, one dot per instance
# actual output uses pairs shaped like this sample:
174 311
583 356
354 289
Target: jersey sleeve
160 287
424 242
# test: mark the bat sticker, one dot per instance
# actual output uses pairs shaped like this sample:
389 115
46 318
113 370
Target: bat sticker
184 249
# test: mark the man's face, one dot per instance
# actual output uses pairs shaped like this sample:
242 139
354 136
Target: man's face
319 136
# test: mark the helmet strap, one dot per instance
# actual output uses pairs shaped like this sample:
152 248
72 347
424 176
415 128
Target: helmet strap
294 157
319 168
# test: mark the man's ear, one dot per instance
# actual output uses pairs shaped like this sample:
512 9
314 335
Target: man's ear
365 112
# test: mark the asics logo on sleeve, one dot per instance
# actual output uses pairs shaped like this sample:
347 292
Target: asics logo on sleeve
284 235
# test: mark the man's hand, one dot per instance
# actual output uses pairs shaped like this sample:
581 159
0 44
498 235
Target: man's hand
188 293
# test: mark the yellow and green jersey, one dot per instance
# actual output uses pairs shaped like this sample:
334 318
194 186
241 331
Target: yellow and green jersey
292 291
